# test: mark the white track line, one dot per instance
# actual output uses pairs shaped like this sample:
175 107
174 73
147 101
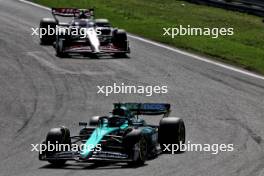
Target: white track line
173 49
34 4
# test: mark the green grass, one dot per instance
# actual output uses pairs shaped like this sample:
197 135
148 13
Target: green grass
147 18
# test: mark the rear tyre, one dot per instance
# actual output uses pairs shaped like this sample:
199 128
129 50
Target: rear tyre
57 136
47 24
171 131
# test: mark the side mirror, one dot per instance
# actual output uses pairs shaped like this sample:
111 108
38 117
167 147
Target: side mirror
83 124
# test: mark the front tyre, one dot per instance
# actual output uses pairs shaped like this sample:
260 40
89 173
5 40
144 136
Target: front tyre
139 152
136 147
120 40
47 24
57 136
59 46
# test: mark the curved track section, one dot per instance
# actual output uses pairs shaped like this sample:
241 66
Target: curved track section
39 91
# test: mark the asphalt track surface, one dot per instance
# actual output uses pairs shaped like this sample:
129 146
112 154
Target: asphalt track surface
39 91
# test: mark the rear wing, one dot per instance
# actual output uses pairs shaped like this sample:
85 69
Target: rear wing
72 12
146 108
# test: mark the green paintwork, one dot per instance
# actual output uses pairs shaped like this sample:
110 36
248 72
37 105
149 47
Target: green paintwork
97 136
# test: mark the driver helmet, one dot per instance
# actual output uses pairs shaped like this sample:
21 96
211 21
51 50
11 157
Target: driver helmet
82 15
122 111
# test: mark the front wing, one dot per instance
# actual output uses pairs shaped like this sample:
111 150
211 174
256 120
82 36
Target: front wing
88 49
96 156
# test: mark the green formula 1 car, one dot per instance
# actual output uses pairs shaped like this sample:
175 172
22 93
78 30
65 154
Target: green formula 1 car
120 137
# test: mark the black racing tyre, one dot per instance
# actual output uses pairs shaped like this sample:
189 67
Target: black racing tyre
57 136
120 39
136 147
140 152
42 153
47 24
59 47
171 131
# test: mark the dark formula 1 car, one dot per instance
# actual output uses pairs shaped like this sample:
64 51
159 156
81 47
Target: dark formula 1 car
83 34
120 137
